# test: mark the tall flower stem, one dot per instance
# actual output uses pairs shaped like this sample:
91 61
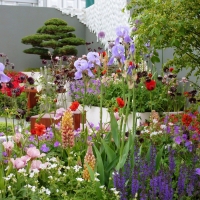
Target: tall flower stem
125 123
123 110
101 103
134 114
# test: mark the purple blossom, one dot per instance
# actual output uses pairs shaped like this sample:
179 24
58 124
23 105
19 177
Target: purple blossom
178 139
4 154
117 52
172 164
93 58
2 134
197 171
101 34
44 148
181 180
132 48
168 129
3 78
176 129
32 138
82 66
59 113
134 187
134 29
56 144
122 31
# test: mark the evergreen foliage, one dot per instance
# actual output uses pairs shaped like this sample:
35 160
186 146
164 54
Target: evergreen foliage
54 36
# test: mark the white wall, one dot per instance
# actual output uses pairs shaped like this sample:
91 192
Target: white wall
77 4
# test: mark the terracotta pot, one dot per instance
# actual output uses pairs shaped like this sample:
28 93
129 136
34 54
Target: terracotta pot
32 98
78 120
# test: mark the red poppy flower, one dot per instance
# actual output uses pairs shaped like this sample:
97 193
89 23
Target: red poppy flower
12 89
39 129
150 85
74 106
33 132
120 102
186 119
171 69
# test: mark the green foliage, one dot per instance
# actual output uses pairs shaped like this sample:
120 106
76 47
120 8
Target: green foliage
167 24
4 128
54 36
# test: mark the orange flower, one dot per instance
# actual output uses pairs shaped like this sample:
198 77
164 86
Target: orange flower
39 129
120 102
74 106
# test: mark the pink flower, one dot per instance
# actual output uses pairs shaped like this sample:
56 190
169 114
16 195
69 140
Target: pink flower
106 127
8 147
36 164
25 158
33 152
117 117
18 163
17 137
59 113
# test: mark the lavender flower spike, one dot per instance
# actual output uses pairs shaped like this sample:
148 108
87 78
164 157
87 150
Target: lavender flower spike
117 52
3 78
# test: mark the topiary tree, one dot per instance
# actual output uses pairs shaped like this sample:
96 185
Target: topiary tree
54 36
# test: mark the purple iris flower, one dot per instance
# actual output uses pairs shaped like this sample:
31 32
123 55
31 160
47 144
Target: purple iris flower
132 48
93 58
117 52
122 31
44 148
82 66
130 69
3 78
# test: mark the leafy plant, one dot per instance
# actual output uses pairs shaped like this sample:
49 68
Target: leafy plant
55 35
161 25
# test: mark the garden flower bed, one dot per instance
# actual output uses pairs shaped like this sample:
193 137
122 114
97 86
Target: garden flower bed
110 155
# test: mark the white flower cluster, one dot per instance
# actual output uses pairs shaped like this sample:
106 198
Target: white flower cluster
9 177
77 168
33 188
45 190
115 191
